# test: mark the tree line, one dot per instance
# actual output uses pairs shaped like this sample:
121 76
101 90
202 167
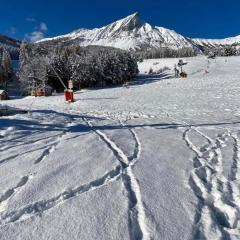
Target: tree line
165 52
91 66
224 51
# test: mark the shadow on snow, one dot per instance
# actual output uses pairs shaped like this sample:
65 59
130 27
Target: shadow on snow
30 125
149 78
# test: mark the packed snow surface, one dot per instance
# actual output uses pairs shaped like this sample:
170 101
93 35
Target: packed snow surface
157 160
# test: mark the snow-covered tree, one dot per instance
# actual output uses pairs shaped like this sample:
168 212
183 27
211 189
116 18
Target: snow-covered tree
91 66
165 52
6 70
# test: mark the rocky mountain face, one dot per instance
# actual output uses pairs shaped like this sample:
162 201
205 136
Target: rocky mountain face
132 33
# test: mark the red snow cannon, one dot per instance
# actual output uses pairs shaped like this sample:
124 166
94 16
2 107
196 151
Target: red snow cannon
69 95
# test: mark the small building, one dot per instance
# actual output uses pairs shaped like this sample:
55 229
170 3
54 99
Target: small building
3 95
38 87
42 91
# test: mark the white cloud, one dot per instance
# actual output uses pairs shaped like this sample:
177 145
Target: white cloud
35 36
38 33
43 27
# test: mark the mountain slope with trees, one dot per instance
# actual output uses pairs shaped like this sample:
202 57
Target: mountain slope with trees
11 45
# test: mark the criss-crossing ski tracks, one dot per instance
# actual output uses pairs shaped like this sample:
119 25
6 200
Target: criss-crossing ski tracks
218 213
219 206
138 228
53 141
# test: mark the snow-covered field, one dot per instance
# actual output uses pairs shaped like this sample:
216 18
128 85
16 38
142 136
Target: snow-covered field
158 160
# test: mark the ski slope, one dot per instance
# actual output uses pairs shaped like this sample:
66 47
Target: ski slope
157 160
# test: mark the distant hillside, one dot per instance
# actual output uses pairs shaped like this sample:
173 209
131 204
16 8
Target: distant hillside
12 45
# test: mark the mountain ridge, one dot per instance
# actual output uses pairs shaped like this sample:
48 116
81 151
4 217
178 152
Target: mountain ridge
11 44
9 41
130 33
133 33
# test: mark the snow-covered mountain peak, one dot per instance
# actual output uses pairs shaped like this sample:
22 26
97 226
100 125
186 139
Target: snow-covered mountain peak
127 33
130 23
132 33
123 27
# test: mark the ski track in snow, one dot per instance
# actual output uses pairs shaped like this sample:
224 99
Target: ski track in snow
235 170
39 207
24 153
56 139
219 203
51 148
137 218
219 198
218 212
47 149
4 198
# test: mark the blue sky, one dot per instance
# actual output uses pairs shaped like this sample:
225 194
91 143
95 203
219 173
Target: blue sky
34 19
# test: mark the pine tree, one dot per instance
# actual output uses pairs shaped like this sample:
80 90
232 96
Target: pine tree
91 66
